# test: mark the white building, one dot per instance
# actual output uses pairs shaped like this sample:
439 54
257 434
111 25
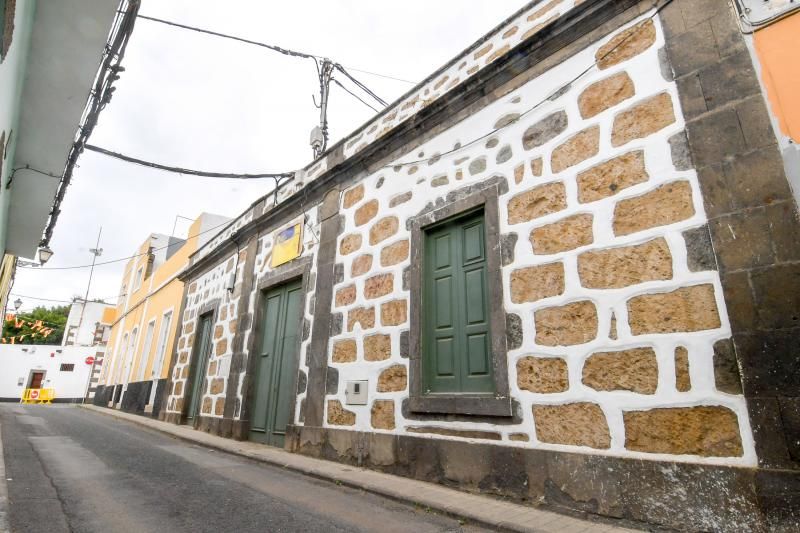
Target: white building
66 369
88 324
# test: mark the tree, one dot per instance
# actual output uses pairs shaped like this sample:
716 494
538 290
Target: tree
54 318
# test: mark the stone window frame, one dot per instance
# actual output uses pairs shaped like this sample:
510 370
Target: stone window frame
498 404
212 308
297 268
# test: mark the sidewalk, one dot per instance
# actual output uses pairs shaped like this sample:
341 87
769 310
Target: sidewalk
480 509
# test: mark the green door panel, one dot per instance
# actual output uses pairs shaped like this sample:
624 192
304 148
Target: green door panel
455 321
201 364
274 394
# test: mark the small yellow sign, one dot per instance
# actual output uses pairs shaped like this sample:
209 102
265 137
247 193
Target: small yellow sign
287 245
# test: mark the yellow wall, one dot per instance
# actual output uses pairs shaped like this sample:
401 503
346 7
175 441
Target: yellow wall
159 293
778 49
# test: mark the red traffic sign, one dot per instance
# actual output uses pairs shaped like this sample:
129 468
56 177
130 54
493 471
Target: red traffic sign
89 360
34 394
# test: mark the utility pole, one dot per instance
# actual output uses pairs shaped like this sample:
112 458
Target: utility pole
96 252
319 135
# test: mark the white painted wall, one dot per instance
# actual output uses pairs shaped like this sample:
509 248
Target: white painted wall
91 316
17 362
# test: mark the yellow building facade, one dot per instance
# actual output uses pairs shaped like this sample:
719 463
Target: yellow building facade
142 336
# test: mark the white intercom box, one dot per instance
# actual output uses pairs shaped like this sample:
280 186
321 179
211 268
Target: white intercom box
356 393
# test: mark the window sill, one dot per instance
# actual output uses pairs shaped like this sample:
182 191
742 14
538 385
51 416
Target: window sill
462 404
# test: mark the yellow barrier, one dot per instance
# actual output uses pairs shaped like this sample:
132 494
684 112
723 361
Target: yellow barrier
38 396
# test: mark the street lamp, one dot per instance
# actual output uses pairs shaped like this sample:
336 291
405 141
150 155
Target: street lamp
17 304
45 253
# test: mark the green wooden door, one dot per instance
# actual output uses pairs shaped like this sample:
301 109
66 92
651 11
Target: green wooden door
274 385
201 355
456 344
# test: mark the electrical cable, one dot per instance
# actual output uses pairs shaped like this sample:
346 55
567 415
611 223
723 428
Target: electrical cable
180 242
360 85
382 75
284 51
96 300
551 98
186 171
354 95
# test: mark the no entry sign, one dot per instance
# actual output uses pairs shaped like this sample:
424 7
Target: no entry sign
89 360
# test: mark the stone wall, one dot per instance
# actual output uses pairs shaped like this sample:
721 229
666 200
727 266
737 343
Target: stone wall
616 323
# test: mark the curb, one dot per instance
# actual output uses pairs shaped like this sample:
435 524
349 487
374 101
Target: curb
477 509
4 525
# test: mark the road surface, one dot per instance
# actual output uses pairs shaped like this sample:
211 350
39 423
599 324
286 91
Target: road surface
71 470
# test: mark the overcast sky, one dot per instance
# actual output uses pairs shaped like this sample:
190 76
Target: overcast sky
202 102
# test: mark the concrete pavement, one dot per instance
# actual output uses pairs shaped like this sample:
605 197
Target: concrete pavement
71 469
479 509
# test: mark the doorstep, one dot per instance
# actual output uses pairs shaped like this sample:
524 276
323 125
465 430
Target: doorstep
480 509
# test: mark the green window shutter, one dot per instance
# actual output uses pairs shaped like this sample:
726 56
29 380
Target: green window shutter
456 350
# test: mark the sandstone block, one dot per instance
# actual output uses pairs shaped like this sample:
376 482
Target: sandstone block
537 202
667 204
566 325
534 283
344 351
575 424
519 437
365 316
217 386
536 166
361 265
626 44
366 212
566 234
604 94
394 313
377 347
683 310
212 368
222 347
683 381
545 130
643 119
394 253
505 120
383 414
439 181
634 370
379 285
542 374
219 406
218 332
477 166
353 196
345 295
338 415
383 229
232 326
607 179
627 265
206 408
393 379
519 173
579 147
708 431
177 389
349 244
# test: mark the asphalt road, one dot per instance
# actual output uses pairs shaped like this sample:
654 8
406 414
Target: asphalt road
68 469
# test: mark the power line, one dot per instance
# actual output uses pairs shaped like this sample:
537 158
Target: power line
275 48
77 299
187 171
181 242
360 85
382 76
354 95
551 98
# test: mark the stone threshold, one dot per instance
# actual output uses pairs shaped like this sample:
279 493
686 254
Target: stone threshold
483 510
